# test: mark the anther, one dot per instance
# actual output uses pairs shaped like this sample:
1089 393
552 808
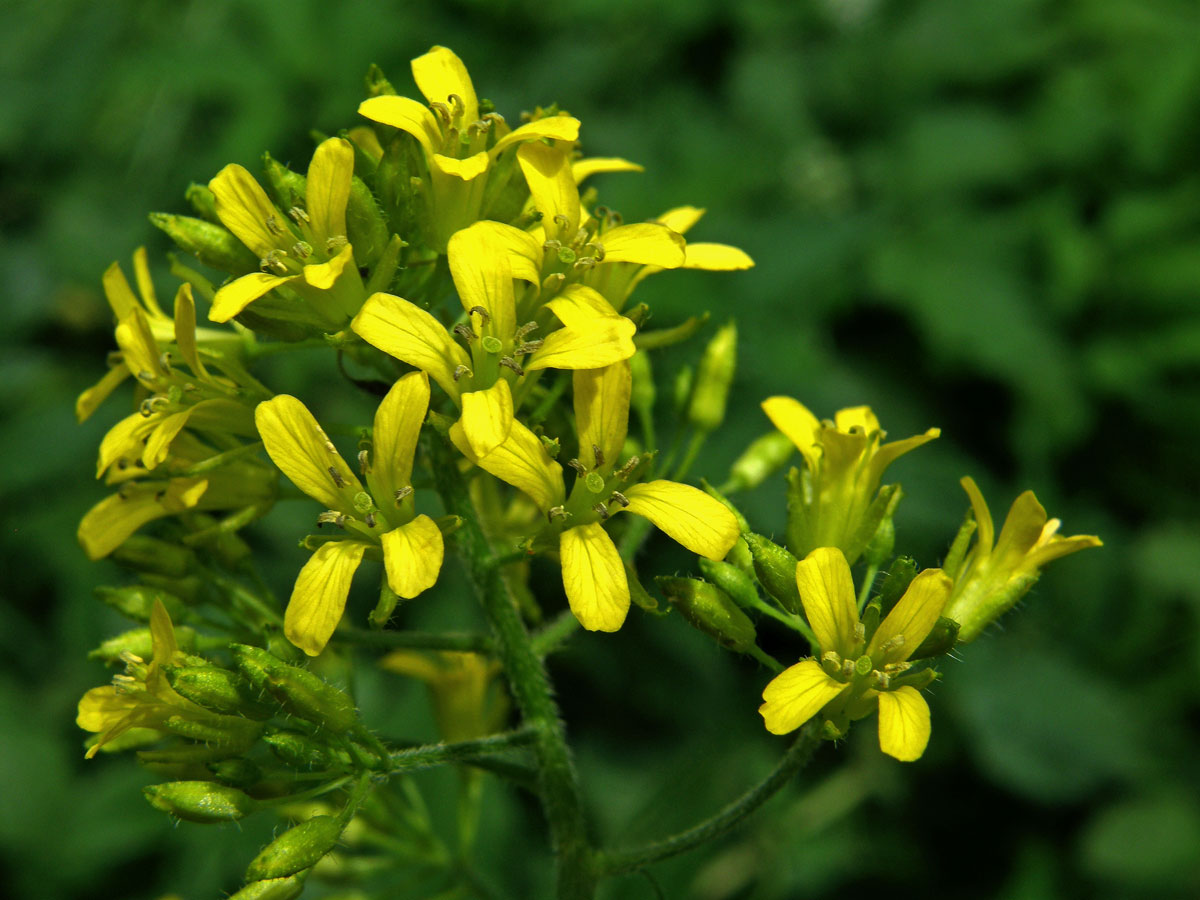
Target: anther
552 246
860 631
299 215
893 643
527 328
626 470
302 249
464 331
601 509
509 363
331 517
598 455
334 245
597 250
484 317
577 466
585 262
130 658
528 347
364 462
460 371
338 480
164 360
619 498
403 493
273 225
557 512
562 221
457 102
370 520
882 680
442 111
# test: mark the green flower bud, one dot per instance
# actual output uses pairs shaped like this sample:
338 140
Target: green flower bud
940 640
287 188
239 772
776 571
200 801
300 692
216 730
296 849
880 547
366 227
732 580
218 689
713 379
203 201
209 243
288 888
643 392
898 578
148 554
762 459
377 83
135 601
138 642
296 751
681 389
709 609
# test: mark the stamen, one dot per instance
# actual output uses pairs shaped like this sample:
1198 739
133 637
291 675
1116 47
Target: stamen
457 102
562 221
597 249
598 455
619 498
509 363
302 249
484 317
273 225
442 111
528 347
331 517
403 493
626 470
464 331
338 480
557 512
364 462
601 509
527 328
370 520
334 245
577 466
585 262
299 215
460 371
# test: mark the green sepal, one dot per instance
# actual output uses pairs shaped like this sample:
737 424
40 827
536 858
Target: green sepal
776 570
297 751
366 228
299 692
238 771
640 596
939 641
801 505
134 601
296 849
709 609
211 244
206 802
203 201
899 576
287 188
957 553
732 580
881 509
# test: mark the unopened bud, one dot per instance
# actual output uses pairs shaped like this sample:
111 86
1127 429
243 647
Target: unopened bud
681 389
203 201
709 609
239 772
714 377
297 751
288 188
149 554
200 801
366 227
135 601
643 392
288 888
299 691
296 849
138 642
939 641
762 459
211 244
776 571
897 580
732 580
218 689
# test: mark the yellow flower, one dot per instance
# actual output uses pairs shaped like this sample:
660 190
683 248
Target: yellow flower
379 517
854 674
459 145
834 500
467 699
994 576
490 378
593 574
305 249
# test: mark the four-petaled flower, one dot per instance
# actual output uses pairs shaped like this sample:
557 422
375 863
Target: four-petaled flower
379 518
856 672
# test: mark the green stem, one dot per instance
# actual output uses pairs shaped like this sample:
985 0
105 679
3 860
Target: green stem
765 658
616 862
868 582
463 642
689 456
430 755
550 637
529 684
258 351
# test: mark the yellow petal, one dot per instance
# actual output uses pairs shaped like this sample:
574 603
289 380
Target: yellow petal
801 426
594 578
579 305
89 400
602 411
913 617
407 115
165 431
521 461
302 451
397 426
366 140
681 218
888 453
237 295
185 330
523 250
244 208
412 556
1022 528
162 634
107 524
124 441
414 664
797 694
463 169
686 514
136 340
409 333
827 592
903 723
141 272
644 243
1058 546
483 277
716 258
118 292
555 128
487 417
440 73
856 417
601 343
548 174
323 276
319 597
596 165
985 529
328 187
101 707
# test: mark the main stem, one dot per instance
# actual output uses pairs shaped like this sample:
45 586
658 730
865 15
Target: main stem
529 683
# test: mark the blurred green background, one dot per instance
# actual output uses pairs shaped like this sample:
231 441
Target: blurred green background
978 215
